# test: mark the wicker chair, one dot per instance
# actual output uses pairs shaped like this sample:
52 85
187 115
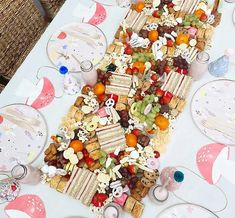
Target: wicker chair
52 7
20 28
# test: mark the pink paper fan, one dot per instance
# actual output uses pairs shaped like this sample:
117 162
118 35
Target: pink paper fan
26 206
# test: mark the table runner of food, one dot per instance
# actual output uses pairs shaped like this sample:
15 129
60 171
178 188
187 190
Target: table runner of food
108 145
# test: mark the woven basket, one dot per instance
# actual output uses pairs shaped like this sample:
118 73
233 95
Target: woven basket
21 26
1 87
52 7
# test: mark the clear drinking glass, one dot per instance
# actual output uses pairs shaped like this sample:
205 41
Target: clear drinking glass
89 73
26 174
199 65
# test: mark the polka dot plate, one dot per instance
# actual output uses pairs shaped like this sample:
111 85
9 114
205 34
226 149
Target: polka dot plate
186 210
23 135
73 43
213 110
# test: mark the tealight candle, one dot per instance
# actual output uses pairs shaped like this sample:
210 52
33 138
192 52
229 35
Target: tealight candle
112 210
159 194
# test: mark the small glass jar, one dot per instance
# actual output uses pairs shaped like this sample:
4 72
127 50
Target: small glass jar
199 65
89 73
158 194
9 188
124 3
26 174
112 210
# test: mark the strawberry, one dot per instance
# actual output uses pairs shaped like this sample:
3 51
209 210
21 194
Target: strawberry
99 199
129 71
159 92
203 17
136 132
89 161
167 97
135 70
170 5
182 71
86 89
154 77
167 69
157 14
132 169
170 43
85 153
112 155
102 98
128 50
129 32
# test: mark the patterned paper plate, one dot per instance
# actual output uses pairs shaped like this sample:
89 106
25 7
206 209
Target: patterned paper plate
186 211
23 135
107 2
75 42
213 110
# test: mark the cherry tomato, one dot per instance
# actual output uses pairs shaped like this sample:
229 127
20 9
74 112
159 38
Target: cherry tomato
167 69
170 43
136 132
154 77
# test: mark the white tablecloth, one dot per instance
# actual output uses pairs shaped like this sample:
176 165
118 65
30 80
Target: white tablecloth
186 140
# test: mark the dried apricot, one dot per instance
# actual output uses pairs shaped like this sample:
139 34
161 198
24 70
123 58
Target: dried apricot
153 35
76 145
99 89
139 6
182 39
131 140
162 122
139 65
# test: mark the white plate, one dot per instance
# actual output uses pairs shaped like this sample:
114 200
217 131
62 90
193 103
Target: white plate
186 211
74 43
107 2
23 135
234 16
213 110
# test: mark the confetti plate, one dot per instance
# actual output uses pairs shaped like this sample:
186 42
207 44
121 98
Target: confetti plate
74 43
107 2
213 110
23 134
186 211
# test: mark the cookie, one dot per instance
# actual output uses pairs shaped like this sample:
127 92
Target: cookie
147 183
151 176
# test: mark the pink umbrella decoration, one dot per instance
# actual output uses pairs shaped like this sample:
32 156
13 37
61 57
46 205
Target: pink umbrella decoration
45 96
99 16
213 162
26 206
